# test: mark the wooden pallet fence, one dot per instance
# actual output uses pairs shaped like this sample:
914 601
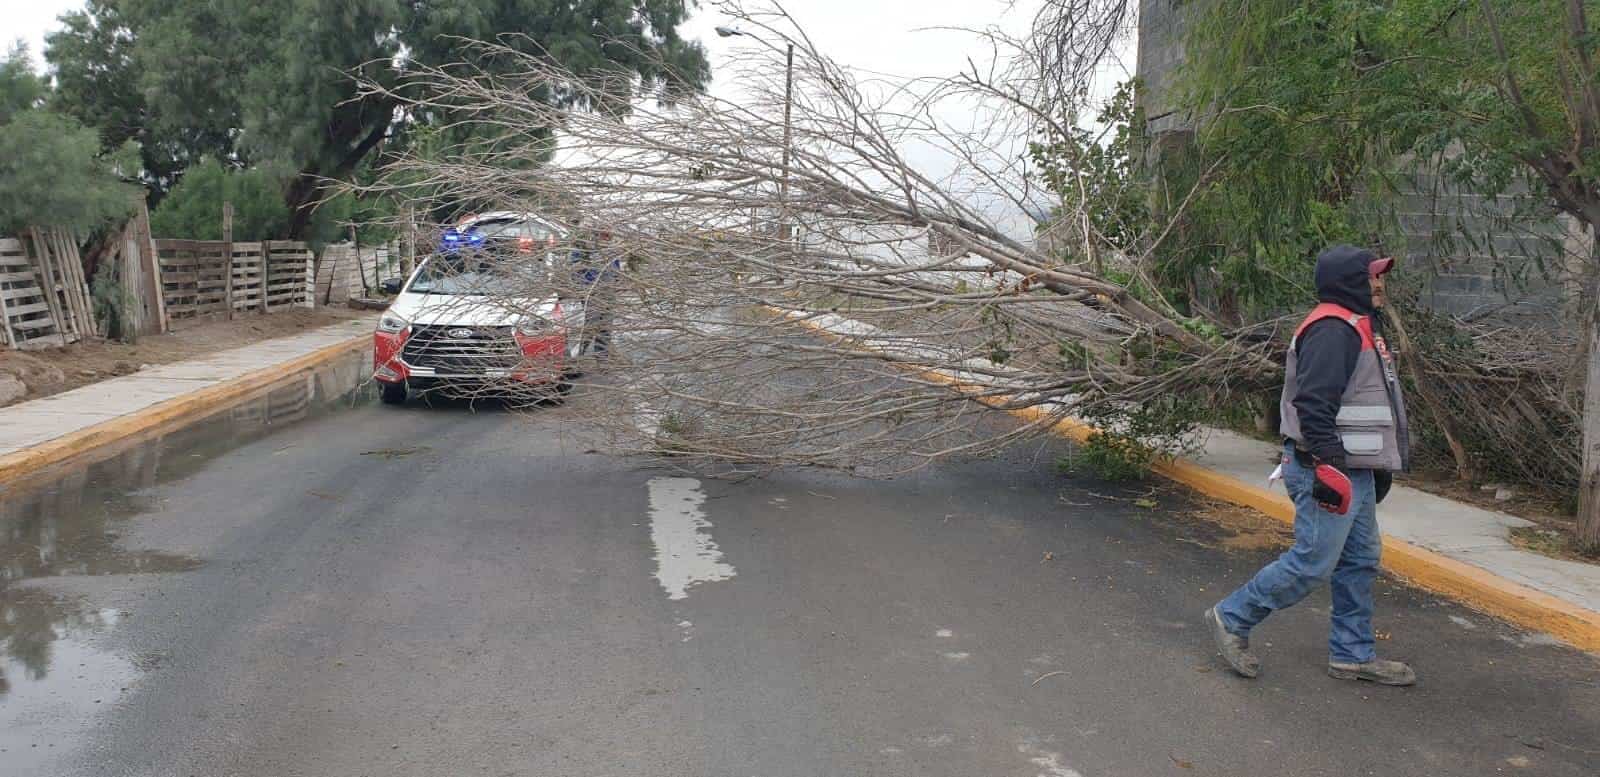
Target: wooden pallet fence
197 276
288 274
27 320
249 289
193 277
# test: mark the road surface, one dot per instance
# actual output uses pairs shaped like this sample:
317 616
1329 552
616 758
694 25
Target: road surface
353 589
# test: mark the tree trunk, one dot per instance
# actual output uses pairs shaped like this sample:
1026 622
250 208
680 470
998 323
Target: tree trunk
1588 530
302 198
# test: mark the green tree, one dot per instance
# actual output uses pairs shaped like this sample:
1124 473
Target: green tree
52 168
271 82
98 82
1315 103
193 209
20 88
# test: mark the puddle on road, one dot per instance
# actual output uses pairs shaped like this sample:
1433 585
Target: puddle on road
66 522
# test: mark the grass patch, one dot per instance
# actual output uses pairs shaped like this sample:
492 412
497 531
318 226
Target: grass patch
1554 543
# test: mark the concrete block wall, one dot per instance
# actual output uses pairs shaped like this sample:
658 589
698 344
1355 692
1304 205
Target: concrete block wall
1160 59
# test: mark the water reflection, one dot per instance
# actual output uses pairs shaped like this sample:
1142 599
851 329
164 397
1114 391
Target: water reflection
65 522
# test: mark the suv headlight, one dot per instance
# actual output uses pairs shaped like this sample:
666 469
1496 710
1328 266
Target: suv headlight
392 323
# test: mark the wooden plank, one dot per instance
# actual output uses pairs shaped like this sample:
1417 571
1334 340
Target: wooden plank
43 264
266 272
227 253
77 286
150 262
22 310
37 323
6 336
136 318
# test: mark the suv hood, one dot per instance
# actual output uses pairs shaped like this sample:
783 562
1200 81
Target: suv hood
468 310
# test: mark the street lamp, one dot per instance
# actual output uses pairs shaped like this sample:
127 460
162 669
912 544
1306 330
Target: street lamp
788 102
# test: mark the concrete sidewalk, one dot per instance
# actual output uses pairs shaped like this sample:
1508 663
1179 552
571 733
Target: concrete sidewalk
1451 547
45 423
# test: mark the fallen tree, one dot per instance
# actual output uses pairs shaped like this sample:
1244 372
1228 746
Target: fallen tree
733 232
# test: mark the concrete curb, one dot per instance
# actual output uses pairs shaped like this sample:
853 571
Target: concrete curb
1436 572
195 403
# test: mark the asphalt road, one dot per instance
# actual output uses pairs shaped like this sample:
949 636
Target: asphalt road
354 589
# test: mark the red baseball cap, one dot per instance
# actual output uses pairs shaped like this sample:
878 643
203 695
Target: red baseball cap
1377 267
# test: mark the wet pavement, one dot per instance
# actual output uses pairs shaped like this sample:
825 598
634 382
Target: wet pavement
64 525
313 584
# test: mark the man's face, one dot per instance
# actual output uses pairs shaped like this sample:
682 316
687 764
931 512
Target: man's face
1377 291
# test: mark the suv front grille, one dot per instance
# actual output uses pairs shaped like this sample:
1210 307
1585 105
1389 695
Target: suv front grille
462 350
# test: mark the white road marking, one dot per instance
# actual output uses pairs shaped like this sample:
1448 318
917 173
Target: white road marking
1048 761
958 656
685 554
944 633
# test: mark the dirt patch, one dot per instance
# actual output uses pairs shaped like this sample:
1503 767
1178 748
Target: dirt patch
1537 505
1242 528
54 370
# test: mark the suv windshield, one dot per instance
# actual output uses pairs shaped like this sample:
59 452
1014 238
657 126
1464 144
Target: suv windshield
509 228
478 273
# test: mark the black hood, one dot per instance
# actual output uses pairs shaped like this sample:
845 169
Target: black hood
1343 280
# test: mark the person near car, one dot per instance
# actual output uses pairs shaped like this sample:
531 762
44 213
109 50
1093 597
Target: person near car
594 269
1345 434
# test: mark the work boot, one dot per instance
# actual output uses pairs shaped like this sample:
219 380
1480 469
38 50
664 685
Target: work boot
1378 670
1234 648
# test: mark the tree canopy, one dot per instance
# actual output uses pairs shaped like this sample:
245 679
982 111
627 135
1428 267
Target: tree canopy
52 168
274 83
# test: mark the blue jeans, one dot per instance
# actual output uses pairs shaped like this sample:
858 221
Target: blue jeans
1342 549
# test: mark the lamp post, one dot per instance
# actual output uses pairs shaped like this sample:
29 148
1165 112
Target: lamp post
788 103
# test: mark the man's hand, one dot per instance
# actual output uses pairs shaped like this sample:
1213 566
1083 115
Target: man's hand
1382 480
1332 489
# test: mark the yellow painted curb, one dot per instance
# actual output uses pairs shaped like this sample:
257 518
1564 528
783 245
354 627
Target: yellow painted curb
199 402
1478 588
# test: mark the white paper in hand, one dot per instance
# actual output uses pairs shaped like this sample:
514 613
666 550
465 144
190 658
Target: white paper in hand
1277 475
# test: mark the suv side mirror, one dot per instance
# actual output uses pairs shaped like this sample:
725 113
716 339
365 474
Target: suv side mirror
392 285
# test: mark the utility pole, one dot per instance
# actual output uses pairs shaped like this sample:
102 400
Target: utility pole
783 184
788 109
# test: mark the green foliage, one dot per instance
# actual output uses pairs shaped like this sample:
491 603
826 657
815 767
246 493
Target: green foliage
273 83
1133 437
97 82
20 88
1111 456
1315 113
1098 176
52 171
193 209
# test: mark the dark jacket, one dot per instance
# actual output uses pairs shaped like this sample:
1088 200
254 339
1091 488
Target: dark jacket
1328 349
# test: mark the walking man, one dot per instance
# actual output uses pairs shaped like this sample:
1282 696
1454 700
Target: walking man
1344 430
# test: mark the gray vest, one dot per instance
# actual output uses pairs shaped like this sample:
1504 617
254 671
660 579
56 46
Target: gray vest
1372 414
